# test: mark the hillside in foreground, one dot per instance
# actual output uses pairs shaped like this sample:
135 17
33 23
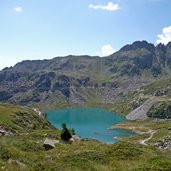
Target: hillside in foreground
22 149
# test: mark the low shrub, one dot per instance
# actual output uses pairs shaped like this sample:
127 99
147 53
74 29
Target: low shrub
124 150
5 153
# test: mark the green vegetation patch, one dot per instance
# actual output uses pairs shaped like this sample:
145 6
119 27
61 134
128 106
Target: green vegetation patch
125 150
86 156
5 153
158 163
161 110
15 118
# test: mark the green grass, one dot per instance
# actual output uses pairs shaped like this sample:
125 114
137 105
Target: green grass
90 155
160 133
161 128
26 146
17 118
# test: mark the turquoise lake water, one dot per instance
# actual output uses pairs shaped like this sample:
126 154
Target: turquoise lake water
89 122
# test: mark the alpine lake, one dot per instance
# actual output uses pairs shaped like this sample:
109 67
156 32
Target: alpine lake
93 123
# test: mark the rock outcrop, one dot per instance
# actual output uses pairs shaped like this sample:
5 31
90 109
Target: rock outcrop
140 113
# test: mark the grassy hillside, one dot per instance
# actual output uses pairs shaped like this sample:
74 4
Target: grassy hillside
24 149
19 119
80 155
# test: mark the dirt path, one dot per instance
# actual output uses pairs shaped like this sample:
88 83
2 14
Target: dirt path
138 131
144 142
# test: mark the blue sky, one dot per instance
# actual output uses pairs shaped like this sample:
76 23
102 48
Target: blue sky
39 29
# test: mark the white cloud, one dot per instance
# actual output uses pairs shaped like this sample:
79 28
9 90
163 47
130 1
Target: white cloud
165 37
109 7
18 9
106 50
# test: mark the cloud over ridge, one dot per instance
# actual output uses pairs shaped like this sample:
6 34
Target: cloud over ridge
165 37
106 50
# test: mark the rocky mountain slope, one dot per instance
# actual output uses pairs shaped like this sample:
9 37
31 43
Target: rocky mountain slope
83 79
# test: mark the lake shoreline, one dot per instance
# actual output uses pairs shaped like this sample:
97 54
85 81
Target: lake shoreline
91 123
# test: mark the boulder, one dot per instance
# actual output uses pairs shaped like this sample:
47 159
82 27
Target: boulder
49 143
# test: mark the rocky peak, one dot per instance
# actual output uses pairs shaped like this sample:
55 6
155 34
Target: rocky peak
161 47
169 45
138 45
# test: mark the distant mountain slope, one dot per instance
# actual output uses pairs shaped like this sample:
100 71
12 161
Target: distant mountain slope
78 79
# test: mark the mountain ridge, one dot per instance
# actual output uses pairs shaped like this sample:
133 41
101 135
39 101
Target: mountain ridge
78 79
